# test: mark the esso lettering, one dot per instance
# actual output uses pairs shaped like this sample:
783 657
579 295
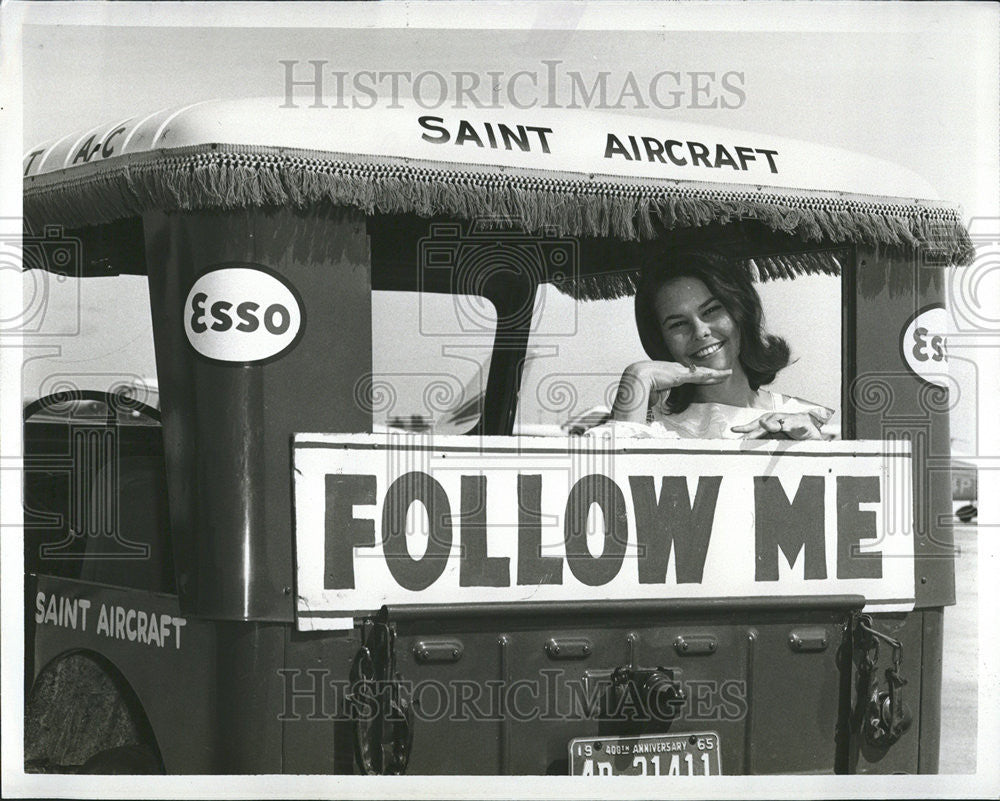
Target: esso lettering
245 317
923 344
242 314
929 347
279 312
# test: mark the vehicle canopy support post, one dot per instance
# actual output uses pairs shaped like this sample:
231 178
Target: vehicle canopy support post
901 391
892 402
262 328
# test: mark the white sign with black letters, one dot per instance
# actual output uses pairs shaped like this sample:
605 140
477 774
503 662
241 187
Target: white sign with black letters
448 520
242 313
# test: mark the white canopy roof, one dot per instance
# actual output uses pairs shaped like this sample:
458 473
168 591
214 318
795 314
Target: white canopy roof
579 142
580 172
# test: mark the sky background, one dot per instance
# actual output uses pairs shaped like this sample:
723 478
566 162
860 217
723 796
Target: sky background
921 92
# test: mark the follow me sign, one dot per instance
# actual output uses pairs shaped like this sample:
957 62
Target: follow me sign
445 520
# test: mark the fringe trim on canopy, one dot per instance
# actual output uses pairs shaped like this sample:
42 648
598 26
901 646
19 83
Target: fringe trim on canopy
606 286
222 178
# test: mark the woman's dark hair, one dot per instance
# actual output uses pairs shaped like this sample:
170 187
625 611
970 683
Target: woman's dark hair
762 355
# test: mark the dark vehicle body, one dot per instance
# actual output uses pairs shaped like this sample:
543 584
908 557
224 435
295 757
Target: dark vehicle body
163 628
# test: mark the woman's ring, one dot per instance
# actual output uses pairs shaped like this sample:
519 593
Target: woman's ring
692 367
781 422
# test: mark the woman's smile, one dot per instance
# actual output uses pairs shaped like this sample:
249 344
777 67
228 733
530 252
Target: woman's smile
708 350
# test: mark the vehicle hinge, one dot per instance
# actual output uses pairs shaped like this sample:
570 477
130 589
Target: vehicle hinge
886 716
380 708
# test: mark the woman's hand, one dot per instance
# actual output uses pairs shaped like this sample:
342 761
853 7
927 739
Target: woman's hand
780 425
642 379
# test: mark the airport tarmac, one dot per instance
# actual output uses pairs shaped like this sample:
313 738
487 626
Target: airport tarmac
960 680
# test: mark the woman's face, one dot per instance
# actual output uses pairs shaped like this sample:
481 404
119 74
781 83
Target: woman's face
696 327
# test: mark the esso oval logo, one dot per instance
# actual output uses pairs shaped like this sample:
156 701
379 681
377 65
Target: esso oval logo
924 345
242 315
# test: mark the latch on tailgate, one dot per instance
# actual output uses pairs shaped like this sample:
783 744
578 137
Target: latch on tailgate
658 690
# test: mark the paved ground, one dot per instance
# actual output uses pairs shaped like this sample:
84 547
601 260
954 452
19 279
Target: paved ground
959 684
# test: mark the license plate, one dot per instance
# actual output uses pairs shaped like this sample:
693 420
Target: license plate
686 754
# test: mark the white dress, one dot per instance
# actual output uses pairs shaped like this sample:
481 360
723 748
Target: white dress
712 420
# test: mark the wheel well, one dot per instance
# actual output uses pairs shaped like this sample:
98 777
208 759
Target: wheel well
80 704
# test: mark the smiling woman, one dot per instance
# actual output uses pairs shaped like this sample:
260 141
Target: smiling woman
701 322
